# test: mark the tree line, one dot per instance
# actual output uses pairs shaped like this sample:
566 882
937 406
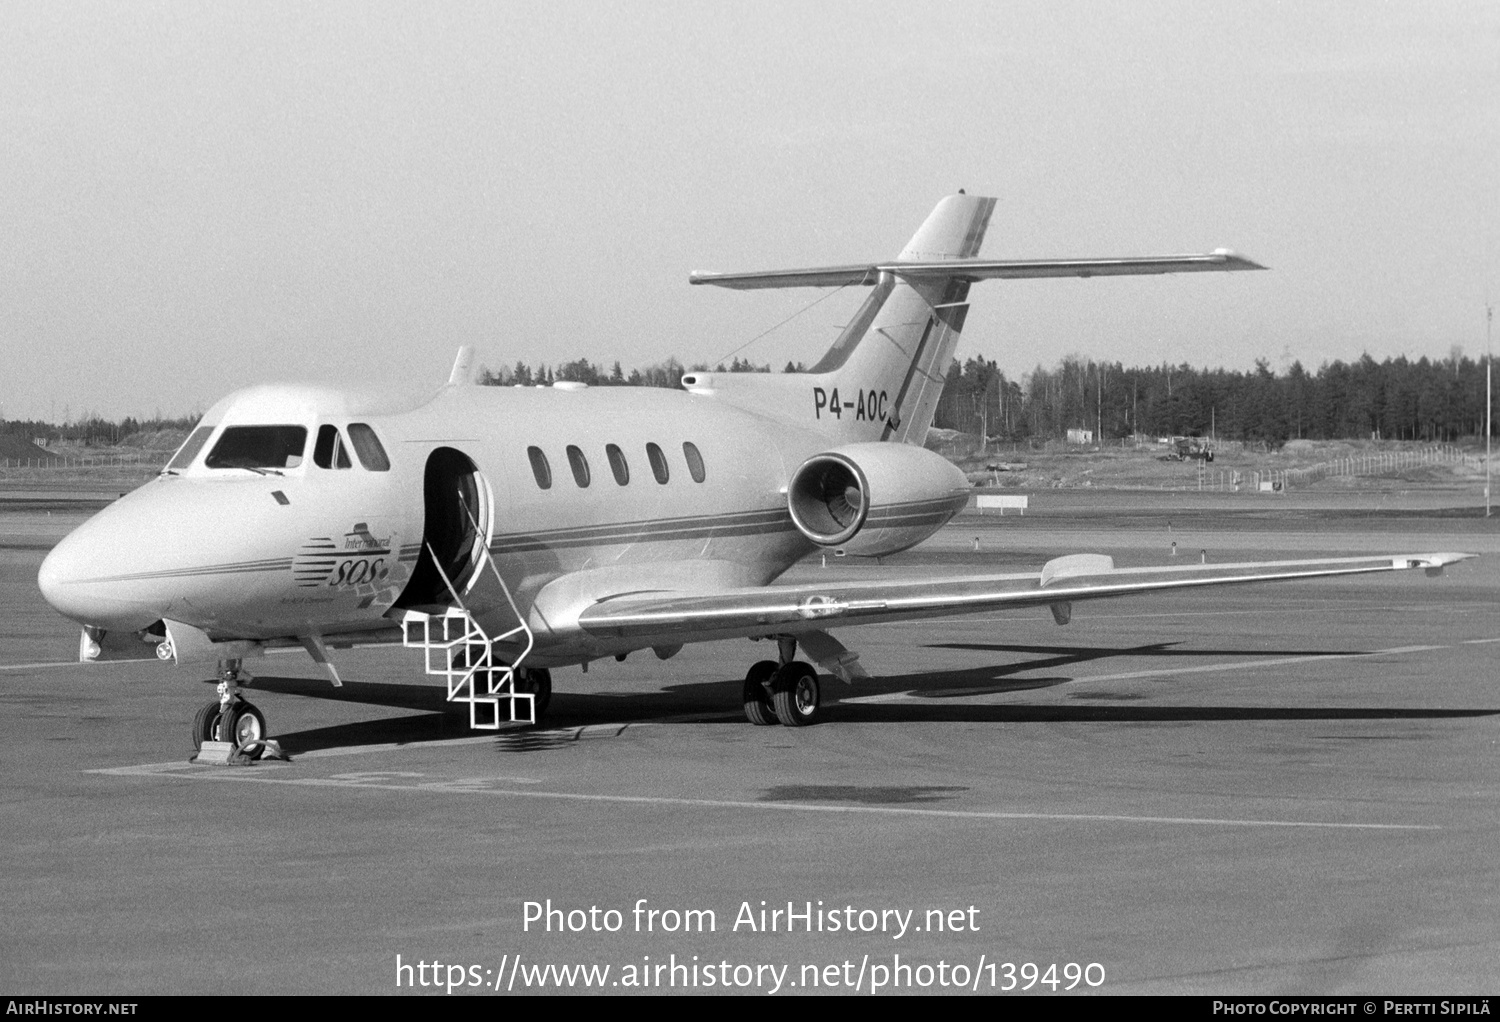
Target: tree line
1398 399
662 374
93 430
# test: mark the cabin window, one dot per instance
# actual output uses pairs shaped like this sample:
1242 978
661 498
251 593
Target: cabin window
580 466
190 448
329 451
617 463
368 447
694 460
658 462
540 468
258 447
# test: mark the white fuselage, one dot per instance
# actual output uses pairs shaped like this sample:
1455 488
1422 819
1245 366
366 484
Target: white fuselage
273 555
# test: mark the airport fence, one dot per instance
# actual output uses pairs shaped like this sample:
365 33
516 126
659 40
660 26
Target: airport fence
968 446
59 465
1372 463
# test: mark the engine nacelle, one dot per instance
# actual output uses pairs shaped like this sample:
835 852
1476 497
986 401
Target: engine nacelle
873 499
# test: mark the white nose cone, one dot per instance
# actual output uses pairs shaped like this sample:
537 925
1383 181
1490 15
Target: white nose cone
81 578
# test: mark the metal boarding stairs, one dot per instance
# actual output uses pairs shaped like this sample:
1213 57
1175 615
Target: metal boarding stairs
466 651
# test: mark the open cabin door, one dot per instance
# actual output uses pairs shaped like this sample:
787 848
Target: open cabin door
457 608
458 511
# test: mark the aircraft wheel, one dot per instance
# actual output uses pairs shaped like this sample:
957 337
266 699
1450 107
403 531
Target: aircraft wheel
538 682
795 695
206 725
758 708
245 727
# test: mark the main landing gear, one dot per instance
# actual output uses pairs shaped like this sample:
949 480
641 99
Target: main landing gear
538 682
231 718
535 681
784 692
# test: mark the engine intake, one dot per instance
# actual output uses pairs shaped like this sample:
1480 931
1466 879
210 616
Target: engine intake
874 499
828 499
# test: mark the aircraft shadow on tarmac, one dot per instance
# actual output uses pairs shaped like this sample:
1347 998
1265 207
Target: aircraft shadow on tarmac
987 680
928 697
861 794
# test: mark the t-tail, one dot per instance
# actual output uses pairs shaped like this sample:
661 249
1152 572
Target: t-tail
882 377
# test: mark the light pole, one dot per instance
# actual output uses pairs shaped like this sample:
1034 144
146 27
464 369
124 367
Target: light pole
1489 362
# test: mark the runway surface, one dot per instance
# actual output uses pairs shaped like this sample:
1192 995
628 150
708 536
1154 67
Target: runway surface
1287 789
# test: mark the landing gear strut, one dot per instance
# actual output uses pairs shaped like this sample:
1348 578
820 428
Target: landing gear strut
231 718
784 692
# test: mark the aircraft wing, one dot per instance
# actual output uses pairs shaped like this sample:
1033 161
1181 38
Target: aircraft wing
791 609
977 269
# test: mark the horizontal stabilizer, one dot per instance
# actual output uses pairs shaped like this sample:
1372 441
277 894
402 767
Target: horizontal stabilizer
972 270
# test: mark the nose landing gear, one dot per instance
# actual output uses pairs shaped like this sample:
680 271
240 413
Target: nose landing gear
232 719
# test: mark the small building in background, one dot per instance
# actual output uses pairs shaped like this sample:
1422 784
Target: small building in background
1080 436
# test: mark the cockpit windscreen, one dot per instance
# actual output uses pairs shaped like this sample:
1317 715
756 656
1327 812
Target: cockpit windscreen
259 447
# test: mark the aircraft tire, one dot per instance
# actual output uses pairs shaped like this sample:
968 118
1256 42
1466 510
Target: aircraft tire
537 681
758 708
795 694
247 728
205 725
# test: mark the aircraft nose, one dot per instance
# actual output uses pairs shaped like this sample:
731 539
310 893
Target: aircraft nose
80 577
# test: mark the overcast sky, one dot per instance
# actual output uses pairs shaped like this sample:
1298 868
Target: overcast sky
195 197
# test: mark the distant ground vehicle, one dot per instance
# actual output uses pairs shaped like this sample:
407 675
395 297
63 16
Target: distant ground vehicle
1188 448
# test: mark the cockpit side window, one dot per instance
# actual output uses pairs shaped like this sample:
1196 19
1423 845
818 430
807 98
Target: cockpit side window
367 445
258 447
190 448
330 452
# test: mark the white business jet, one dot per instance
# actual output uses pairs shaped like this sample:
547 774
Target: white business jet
505 531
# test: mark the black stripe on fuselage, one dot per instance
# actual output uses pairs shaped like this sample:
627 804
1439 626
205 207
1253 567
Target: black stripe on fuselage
660 530
238 568
750 523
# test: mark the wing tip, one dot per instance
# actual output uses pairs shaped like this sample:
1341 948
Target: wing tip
1232 260
1432 564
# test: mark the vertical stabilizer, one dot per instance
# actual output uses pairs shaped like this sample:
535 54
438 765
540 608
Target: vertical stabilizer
462 373
882 377
912 339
